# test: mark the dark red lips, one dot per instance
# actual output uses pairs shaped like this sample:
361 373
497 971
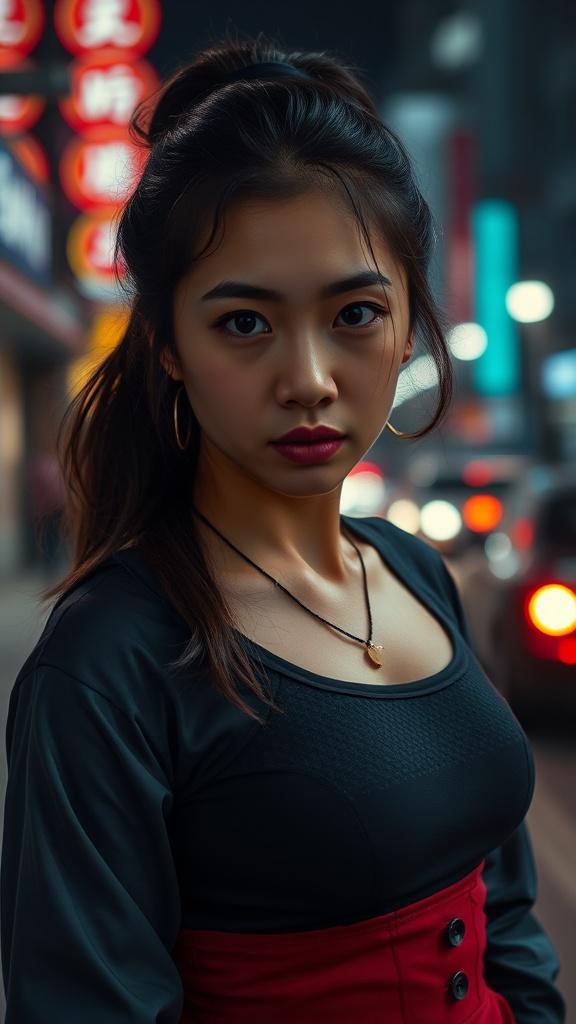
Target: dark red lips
309 435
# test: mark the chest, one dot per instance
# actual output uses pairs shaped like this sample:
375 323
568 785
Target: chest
416 643
349 803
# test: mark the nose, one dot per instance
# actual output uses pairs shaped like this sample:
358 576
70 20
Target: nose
305 372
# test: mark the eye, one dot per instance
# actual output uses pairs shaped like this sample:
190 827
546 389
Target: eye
246 318
379 312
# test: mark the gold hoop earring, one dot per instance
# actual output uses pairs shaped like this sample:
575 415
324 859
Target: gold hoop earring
398 433
176 431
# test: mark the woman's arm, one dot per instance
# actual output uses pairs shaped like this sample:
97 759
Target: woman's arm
520 961
90 903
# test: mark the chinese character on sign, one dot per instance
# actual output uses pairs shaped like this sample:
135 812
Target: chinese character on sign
86 26
21 26
11 32
103 168
105 24
110 94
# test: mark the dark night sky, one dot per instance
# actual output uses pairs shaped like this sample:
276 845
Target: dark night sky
363 33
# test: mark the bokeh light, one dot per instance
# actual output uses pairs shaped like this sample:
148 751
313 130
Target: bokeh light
529 301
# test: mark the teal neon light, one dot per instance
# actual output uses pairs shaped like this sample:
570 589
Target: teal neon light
495 235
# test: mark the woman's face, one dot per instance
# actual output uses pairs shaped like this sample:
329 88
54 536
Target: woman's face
280 350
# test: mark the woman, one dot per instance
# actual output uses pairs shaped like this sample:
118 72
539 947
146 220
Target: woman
255 770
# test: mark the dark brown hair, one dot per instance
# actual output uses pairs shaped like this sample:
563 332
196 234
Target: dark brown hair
213 144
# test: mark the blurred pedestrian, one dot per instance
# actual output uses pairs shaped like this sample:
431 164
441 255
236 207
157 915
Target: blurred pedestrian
47 500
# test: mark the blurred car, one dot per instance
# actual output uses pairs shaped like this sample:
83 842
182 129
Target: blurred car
453 499
519 594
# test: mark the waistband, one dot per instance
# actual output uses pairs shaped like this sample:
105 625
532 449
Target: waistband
420 964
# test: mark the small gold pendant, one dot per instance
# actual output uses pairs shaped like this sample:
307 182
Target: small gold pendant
376 653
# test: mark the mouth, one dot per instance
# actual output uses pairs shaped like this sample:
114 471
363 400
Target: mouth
321 439
310 452
310 435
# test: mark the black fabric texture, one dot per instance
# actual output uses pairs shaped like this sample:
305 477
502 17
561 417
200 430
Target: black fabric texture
137 806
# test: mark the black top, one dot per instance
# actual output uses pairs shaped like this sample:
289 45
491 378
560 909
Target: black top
137 805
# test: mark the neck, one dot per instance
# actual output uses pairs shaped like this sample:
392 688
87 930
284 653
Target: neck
284 535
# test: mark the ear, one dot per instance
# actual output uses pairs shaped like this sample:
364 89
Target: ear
170 363
408 348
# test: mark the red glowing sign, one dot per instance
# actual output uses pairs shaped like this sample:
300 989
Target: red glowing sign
102 170
21 26
32 157
105 89
91 246
87 25
19 113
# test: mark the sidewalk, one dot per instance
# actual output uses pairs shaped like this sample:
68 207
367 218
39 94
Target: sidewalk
21 621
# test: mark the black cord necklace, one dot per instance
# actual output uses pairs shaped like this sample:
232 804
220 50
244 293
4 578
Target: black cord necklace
374 651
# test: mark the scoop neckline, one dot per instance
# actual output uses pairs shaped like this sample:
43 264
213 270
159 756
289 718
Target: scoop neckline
437 681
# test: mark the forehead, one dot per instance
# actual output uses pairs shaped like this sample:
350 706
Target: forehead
292 239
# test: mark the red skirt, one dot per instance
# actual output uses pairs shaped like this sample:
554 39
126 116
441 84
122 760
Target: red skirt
422 964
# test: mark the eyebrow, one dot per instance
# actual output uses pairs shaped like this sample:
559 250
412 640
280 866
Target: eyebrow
241 290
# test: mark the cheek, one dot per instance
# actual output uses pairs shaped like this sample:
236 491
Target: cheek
223 398
371 381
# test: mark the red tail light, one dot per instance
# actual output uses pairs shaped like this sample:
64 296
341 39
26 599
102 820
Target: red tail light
552 609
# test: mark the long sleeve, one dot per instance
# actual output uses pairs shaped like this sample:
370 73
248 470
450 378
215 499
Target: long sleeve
90 903
520 960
